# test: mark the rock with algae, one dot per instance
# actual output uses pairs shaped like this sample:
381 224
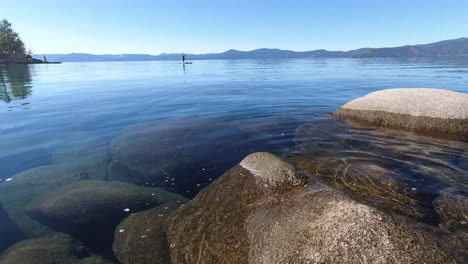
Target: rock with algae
369 183
452 208
394 170
141 237
260 217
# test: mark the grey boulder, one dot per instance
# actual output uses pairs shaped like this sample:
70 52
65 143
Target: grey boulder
434 112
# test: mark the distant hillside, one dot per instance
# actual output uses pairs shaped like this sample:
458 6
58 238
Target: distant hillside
446 48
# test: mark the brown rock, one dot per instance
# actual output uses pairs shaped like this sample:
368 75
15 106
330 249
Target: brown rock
239 220
141 237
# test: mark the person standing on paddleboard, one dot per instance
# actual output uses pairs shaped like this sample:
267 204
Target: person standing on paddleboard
183 59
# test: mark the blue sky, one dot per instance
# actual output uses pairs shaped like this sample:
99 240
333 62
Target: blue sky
202 26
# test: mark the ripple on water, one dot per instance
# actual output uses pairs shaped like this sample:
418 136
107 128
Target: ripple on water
396 171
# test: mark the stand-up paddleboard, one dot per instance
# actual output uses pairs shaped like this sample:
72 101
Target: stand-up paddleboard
188 62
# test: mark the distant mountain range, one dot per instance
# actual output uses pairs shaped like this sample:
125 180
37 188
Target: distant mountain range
446 48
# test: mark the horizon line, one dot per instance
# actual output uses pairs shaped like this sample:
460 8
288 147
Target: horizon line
180 53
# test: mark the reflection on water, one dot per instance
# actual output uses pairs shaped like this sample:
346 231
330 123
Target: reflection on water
15 82
158 125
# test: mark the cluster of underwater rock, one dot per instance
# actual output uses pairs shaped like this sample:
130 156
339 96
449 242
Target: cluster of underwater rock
263 210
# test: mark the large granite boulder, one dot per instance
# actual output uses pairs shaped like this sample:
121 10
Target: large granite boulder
141 237
262 212
9 232
90 210
55 248
434 112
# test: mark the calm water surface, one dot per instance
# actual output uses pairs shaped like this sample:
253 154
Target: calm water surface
200 120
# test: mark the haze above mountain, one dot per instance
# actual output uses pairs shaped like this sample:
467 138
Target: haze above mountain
447 48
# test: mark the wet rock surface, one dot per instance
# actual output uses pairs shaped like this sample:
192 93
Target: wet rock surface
55 248
9 232
452 208
141 237
90 210
436 112
211 227
237 219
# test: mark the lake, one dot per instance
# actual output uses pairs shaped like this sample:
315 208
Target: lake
160 124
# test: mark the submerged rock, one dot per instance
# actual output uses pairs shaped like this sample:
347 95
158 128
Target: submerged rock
9 232
240 219
141 237
368 183
74 157
24 187
176 156
390 169
435 112
452 208
56 248
82 153
90 210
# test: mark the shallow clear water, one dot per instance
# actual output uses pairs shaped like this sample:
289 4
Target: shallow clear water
192 123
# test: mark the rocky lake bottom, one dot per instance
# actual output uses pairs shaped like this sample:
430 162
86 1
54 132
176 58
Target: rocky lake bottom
92 153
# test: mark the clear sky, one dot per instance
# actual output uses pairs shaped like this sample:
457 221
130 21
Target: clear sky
203 26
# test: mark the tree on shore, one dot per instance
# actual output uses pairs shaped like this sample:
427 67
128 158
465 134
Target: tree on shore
10 42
